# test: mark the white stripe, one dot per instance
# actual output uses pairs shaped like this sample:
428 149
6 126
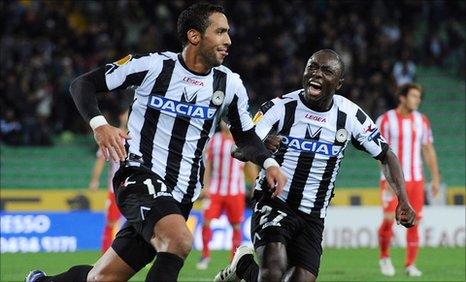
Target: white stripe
225 169
215 162
407 137
418 123
393 124
235 175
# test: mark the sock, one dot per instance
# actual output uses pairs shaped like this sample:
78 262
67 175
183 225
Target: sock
236 240
76 273
107 238
247 269
385 237
412 238
165 268
206 236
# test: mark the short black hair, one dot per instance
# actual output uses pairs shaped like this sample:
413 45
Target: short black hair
404 89
196 17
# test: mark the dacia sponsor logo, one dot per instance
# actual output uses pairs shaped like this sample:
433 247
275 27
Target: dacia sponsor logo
181 108
312 146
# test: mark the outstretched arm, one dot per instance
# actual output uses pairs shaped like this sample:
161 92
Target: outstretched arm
391 168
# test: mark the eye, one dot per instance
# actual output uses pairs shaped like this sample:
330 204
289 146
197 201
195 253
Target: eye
328 71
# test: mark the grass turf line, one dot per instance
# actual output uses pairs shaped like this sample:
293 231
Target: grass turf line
437 264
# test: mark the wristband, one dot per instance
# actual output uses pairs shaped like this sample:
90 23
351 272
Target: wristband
97 121
269 162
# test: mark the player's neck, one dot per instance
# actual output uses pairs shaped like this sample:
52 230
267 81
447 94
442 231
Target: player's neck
193 62
403 111
321 105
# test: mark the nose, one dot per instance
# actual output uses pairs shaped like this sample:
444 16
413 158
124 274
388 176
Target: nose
228 40
317 72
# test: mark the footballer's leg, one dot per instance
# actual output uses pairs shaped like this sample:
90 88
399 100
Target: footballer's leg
127 255
415 192
297 274
173 240
272 261
149 206
110 267
385 232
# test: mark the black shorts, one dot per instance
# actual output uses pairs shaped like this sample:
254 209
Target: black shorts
273 221
143 199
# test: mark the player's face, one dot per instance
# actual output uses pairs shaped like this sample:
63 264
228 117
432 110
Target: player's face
215 40
412 99
322 76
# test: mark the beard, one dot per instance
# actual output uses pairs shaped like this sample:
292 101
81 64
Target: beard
209 57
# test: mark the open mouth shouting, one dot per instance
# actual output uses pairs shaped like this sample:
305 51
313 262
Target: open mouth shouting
314 88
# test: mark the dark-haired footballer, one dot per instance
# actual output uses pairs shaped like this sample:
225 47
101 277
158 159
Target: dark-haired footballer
179 100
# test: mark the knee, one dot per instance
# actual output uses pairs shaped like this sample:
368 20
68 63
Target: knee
300 274
271 274
181 244
103 276
273 270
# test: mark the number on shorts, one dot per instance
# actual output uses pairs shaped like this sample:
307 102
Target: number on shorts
151 188
266 210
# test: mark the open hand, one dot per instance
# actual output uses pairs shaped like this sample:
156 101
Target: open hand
111 142
276 180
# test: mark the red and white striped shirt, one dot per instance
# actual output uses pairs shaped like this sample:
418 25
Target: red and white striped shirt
406 135
227 174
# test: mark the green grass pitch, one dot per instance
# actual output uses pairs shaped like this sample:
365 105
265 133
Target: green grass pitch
437 264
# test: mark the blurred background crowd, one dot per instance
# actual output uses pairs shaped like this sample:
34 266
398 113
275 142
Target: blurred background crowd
45 44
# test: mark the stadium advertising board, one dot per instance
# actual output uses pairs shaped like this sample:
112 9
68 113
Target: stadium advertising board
345 227
50 231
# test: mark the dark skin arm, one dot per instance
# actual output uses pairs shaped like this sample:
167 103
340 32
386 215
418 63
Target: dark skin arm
391 168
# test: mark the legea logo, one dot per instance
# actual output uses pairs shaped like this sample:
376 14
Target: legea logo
312 146
181 108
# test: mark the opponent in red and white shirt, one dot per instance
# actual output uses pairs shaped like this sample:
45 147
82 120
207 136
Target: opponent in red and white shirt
224 189
112 213
408 133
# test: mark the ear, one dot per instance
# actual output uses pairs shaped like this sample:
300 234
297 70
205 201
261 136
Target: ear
340 83
401 98
194 36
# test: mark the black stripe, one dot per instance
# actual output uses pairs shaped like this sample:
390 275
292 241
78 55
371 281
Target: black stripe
266 106
175 147
361 116
219 84
290 110
152 115
329 168
134 79
233 117
288 120
301 174
138 56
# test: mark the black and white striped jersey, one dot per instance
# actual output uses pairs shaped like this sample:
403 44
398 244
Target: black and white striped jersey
313 145
174 113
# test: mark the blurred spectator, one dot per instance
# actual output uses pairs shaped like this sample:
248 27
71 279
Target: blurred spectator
45 44
404 70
